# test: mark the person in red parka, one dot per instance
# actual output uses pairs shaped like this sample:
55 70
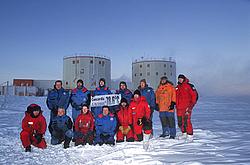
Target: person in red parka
124 116
84 127
186 98
33 128
140 116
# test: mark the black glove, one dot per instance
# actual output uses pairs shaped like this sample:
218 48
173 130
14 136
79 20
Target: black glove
38 137
157 107
104 136
139 122
171 107
147 124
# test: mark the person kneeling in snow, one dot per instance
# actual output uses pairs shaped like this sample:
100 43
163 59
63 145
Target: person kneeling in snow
34 127
84 127
125 123
141 117
60 129
105 127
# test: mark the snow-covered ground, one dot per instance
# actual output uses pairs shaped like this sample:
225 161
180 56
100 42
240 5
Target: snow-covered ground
221 136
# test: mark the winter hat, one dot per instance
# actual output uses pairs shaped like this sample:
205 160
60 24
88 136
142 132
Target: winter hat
123 100
33 107
80 81
102 79
123 82
137 92
164 78
181 76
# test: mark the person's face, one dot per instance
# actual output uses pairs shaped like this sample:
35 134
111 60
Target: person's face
163 81
84 110
35 113
79 84
180 80
136 96
142 84
123 86
60 112
58 85
105 111
101 83
124 104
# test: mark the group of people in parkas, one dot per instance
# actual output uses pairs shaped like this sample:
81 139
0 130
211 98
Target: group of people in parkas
130 121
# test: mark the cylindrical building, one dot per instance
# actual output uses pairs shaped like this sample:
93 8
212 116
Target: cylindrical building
152 70
89 68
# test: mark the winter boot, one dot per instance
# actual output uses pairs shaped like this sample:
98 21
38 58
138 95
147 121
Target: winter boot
28 149
146 138
171 137
182 136
190 138
66 142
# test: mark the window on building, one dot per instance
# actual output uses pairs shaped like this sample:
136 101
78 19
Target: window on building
135 74
140 66
170 66
67 83
91 61
165 65
171 74
82 71
148 65
102 63
156 73
77 61
148 73
140 74
73 61
165 73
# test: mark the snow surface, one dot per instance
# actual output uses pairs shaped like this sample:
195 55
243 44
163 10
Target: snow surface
221 136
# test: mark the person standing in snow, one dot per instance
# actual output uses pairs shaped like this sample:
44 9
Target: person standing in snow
61 128
105 125
79 96
124 91
57 97
186 98
125 126
84 127
165 101
140 116
33 128
101 90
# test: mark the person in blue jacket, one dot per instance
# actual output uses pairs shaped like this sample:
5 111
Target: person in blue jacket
79 97
105 125
61 128
57 97
101 90
124 91
148 92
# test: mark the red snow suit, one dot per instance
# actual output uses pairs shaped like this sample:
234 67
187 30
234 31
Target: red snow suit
84 128
140 109
31 126
186 98
124 116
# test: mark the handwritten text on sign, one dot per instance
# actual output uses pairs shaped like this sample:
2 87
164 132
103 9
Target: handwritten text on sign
109 100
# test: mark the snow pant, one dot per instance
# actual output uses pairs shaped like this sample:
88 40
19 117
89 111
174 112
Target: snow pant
57 137
104 138
83 139
28 139
138 131
129 136
75 113
168 123
151 118
184 122
96 111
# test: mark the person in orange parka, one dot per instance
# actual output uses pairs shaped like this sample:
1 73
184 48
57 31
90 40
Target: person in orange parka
141 116
33 128
186 98
165 101
84 127
124 116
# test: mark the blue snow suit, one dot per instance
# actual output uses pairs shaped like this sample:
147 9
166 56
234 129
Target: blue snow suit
60 129
55 99
99 91
79 97
127 94
105 129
